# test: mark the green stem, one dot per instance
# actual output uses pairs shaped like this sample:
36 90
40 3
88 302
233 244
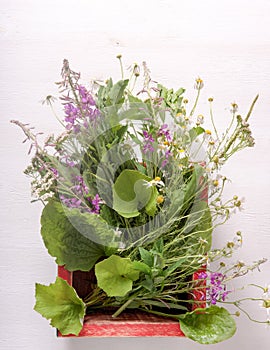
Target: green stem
212 121
122 308
195 103
160 313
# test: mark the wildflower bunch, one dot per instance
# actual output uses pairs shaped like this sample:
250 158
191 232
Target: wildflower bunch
133 190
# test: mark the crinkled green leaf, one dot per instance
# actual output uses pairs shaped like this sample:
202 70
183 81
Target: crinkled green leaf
64 242
115 275
208 326
60 303
131 194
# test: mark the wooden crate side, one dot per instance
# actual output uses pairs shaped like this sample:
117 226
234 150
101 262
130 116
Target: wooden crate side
131 324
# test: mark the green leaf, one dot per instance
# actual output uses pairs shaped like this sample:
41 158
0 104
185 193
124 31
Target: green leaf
208 326
193 189
199 225
148 284
142 267
131 194
195 132
174 266
116 93
146 257
64 242
115 275
60 303
121 132
134 99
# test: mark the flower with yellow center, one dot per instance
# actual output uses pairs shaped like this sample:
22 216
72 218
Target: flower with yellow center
215 183
155 182
208 132
160 199
198 84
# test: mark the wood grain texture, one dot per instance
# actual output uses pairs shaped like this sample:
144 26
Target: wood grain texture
227 43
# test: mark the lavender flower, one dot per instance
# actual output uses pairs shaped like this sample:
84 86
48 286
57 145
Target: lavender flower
80 187
148 142
168 154
96 201
71 202
216 290
81 110
165 132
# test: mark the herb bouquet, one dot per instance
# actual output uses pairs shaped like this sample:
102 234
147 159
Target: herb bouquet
132 190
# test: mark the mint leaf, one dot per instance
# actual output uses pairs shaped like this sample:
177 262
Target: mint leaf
60 303
65 243
115 275
208 326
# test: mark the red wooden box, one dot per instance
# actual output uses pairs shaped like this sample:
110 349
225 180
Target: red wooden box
127 324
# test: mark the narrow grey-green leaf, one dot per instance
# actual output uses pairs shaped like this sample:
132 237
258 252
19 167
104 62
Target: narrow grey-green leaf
116 93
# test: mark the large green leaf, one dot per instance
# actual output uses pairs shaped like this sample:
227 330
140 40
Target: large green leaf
131 194
65 242
60 303
208 326
115 275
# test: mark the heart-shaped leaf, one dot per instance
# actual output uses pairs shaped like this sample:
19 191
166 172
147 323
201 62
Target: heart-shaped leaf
208 326
131 194
115 275
60 303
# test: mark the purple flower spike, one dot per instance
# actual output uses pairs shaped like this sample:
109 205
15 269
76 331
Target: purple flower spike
216 289
148 142
165 132
96 201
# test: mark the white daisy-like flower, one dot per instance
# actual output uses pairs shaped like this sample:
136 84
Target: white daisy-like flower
155 182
